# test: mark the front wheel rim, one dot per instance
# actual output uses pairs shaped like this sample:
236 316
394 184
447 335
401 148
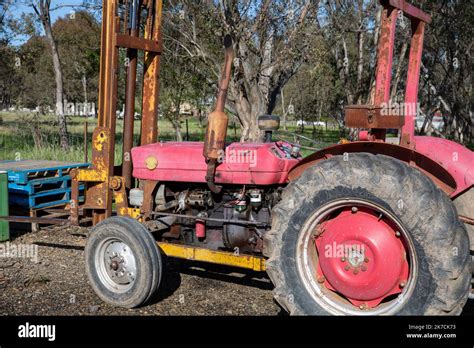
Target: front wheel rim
359 282
116 265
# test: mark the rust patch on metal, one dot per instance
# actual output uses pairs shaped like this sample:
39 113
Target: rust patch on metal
371 116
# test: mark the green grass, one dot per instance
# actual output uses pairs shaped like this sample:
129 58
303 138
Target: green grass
17 142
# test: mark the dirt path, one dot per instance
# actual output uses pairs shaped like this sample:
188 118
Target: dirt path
57 284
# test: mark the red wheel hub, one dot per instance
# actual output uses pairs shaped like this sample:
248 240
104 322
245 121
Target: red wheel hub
361 256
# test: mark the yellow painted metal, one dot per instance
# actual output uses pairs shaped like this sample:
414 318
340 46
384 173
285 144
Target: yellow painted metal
213 256
91 175
119 198
151 162
134 213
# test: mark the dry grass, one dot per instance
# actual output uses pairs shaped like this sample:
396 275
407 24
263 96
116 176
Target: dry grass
17 139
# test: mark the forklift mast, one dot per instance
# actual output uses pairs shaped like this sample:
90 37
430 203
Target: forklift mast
134 25
381 115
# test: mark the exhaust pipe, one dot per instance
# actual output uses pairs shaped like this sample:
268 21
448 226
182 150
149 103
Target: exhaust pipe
216 131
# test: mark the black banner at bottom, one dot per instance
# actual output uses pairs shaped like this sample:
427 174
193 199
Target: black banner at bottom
168 331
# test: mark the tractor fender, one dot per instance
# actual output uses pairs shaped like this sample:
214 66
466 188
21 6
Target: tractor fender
455 158
431 158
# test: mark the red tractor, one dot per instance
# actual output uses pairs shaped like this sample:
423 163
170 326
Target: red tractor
360 228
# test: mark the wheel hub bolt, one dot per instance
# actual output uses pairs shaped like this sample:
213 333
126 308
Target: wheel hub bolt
403 284
356 271
397 234
362 306
366 259
343 259
363 268
347 267
321 279
114 265
354 209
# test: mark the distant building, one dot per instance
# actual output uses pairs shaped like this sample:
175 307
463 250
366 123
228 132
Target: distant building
437 122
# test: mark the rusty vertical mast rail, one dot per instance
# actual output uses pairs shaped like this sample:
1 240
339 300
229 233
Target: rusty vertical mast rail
149 129
131 87
104 187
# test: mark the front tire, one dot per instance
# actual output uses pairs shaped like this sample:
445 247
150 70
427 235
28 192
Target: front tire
123 262
415 252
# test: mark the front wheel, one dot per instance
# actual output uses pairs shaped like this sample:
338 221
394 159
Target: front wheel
123 262
367 235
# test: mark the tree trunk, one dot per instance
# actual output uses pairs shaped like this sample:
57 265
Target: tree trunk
58 76
401 60
371 92
285 112
177 129
43 13
262 66
248 109
248 119
360 65
249 95
84 90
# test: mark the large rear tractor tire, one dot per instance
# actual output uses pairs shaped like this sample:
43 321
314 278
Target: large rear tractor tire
364 234
123 262
465 206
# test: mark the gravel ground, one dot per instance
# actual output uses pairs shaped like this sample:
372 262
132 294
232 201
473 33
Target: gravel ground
57 284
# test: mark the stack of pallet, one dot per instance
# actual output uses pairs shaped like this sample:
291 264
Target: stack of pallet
36 185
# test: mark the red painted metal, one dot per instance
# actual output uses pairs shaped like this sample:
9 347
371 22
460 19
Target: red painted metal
385 55
410 11
384 62
255 164
413 78
364 135
361 257
456 159
200 229
433 169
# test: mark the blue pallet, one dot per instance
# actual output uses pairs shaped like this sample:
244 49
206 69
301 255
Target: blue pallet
41 200
22 176
39 184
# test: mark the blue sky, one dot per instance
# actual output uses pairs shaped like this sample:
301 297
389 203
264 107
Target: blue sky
54 3
60 12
